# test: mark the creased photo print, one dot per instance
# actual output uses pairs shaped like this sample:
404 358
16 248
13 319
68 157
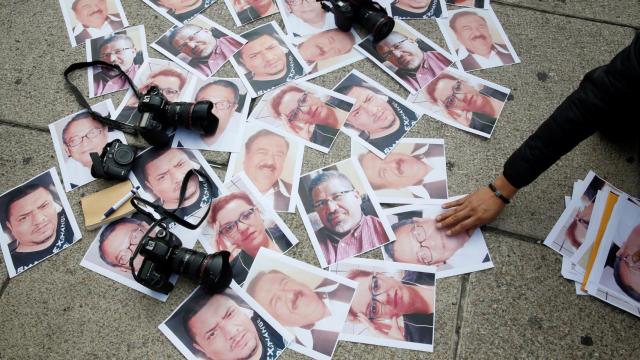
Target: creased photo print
88 19
246 11
272 162
419 242
310 303
179 11
240 223
126 48
394 304
229 325
327 50
76 136
415 172
267 60
160 173
36 222
477 39
463 101
174 82
230 106
407 56
418 9
110 251
380 118
305 17
341 212
312 113
200 46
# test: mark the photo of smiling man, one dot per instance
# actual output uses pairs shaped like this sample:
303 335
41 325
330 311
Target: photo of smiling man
341 213
310 303
418 9
75 137
226 326
88 19
179 11
36 222
267 61
478 40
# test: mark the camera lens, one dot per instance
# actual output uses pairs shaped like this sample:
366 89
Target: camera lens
196 116
378 23
211 271
123 155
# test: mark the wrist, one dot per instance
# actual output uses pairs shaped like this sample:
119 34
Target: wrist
504 187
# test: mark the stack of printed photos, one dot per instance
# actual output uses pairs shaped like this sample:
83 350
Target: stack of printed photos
276 302
598 235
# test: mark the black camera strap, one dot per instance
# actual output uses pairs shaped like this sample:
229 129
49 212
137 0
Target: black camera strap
82 101
165 214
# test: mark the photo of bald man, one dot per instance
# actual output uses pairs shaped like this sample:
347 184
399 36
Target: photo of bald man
36 222
88 19
226 326
327 50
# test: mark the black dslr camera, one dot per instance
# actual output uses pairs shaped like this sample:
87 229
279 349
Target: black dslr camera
164 255
114 163
160 114
369 14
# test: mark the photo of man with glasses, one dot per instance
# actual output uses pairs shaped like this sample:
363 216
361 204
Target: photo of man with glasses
239 226
117 242
306 17
626 266
413 61
75 137
394 305
346 222
228 97
420 242
117 49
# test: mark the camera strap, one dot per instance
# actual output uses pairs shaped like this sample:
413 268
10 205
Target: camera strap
165 214
82 101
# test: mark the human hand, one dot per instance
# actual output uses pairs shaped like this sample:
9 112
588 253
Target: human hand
478 208
393 331
301 129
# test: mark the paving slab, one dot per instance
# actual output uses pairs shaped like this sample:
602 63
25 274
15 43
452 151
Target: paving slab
524 309
624 12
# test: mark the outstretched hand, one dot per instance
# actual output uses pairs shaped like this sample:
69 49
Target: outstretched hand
478 208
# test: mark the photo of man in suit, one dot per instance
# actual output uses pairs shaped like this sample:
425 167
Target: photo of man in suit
94 20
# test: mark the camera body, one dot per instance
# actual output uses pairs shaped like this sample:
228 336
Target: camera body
160 114
164 255
368 13
115 162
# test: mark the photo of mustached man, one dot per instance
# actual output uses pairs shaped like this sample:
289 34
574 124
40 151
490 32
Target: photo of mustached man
418 9
180 10
223 326
161 171
88 19
36 221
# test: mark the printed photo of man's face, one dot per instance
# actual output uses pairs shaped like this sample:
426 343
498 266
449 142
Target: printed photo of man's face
83 135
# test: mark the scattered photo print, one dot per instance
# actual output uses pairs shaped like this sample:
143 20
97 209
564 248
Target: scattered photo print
267 60
479 4
246 11
305 17
174 83
415 172
341 213
394 304
230 106
463 101
229 325
327 50
88 19
240 223
477 39
307 111
407 56
380 118
126 48
76 136
179 11
418 9
272 162
36 222
110 251
310 303
419 242
200 46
